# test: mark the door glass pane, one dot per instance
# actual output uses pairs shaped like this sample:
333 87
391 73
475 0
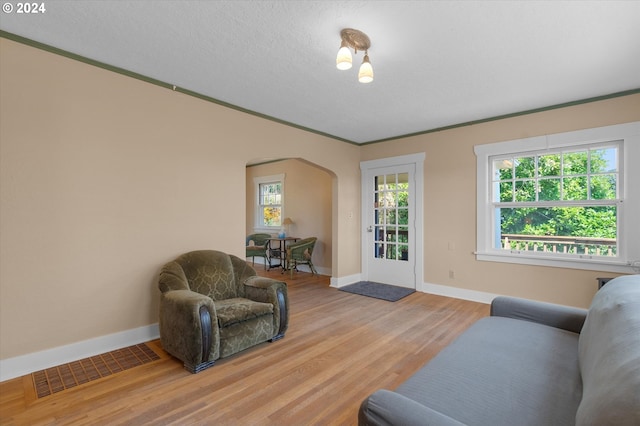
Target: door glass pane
386 199
404 252
378 250
379 234
391 252
379 218
391 216
390 181
403 198
403 234
391 233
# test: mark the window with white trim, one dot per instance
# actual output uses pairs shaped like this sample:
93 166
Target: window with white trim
561 200
270 201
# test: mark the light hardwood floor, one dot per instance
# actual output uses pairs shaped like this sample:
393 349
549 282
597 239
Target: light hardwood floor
339 348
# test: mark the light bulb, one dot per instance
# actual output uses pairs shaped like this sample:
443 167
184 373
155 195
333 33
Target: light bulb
365 75
343 60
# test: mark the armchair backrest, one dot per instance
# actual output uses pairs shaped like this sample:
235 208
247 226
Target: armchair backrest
302 249
209 272
258 239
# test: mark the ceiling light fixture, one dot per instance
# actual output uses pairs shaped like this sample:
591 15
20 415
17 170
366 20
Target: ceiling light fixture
356 40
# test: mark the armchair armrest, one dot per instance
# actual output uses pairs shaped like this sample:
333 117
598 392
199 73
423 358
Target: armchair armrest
390 408
558 316
188 328
297 250
268 290
172 278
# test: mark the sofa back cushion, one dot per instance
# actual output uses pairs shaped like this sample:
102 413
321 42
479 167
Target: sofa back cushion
209 272
609 356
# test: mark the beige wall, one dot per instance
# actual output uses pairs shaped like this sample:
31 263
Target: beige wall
450 201
307 201
104 178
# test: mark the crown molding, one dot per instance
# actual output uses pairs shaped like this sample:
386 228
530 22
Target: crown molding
163 84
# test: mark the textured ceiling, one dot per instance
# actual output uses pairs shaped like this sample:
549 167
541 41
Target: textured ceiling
436 63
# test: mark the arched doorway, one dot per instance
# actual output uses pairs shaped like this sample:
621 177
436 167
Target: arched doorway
307 195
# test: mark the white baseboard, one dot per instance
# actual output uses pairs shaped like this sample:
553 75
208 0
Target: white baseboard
303 268
26 364
440 290
458 293
11 368
342 281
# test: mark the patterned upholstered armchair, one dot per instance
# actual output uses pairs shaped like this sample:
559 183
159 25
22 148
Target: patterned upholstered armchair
300 253
213 305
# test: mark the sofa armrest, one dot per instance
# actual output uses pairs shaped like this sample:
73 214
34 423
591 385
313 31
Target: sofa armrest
390 408
268 290
558 316
189 327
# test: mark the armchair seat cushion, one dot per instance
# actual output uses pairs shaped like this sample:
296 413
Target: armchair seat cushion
255 251
233 311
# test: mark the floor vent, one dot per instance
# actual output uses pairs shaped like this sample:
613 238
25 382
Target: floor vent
66 376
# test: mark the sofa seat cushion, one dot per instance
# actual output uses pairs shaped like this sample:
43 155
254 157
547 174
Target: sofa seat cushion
232 311
503 371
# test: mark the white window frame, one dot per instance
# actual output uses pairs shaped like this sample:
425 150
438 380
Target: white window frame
258 222
628 259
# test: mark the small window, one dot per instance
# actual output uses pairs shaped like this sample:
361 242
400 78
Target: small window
561 200
270 201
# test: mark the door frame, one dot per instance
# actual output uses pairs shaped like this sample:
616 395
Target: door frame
417 161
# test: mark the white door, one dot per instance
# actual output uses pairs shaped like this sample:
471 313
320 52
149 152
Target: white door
390 249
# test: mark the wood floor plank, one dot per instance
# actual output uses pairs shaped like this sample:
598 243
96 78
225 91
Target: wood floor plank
339 348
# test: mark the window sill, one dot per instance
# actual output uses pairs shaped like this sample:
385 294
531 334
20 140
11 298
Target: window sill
265 230
573 263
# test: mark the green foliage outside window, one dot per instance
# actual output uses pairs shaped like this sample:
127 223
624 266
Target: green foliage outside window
272 216
566 194
271 203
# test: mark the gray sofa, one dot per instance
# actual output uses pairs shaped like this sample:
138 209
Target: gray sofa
529 363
